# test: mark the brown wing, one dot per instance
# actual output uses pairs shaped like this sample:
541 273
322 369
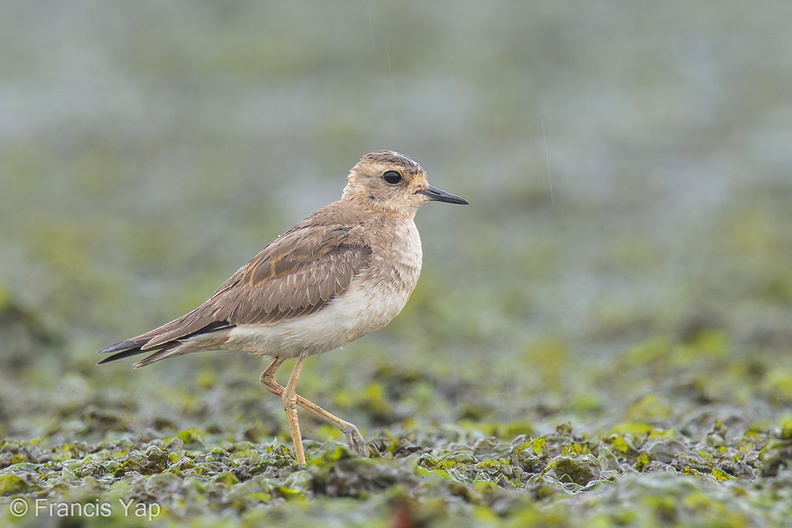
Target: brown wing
298 274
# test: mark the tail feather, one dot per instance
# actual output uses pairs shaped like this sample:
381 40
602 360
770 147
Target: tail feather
124 349
135 346
123 346
158 354
121 355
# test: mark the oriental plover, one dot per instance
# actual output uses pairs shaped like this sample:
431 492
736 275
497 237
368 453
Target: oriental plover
346 270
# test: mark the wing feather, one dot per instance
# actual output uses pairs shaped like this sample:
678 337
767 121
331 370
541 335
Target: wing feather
296 275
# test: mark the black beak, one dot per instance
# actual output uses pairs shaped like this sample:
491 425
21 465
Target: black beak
437 195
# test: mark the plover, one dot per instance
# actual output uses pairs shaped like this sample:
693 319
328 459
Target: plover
346 270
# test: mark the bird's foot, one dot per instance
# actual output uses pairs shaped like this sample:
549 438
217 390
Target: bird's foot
355 441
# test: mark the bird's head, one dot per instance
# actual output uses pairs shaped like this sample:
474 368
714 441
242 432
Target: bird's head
388 180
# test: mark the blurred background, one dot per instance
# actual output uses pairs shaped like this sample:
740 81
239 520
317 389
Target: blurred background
627 164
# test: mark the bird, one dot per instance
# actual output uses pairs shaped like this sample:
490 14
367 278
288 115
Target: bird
346 270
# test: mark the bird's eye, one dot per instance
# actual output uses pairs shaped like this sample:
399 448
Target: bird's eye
392 177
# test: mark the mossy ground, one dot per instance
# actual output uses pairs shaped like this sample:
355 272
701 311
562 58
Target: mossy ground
709 444
601 339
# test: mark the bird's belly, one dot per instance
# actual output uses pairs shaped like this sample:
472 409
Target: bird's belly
367 306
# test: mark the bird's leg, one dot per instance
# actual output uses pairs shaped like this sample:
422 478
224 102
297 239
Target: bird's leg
289 398
267 378
351 433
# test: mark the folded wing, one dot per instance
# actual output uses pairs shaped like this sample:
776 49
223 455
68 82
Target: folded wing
298 274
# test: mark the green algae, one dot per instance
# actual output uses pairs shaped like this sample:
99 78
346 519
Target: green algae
485 479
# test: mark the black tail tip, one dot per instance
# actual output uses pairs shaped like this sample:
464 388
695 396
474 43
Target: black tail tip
122 349
123 346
